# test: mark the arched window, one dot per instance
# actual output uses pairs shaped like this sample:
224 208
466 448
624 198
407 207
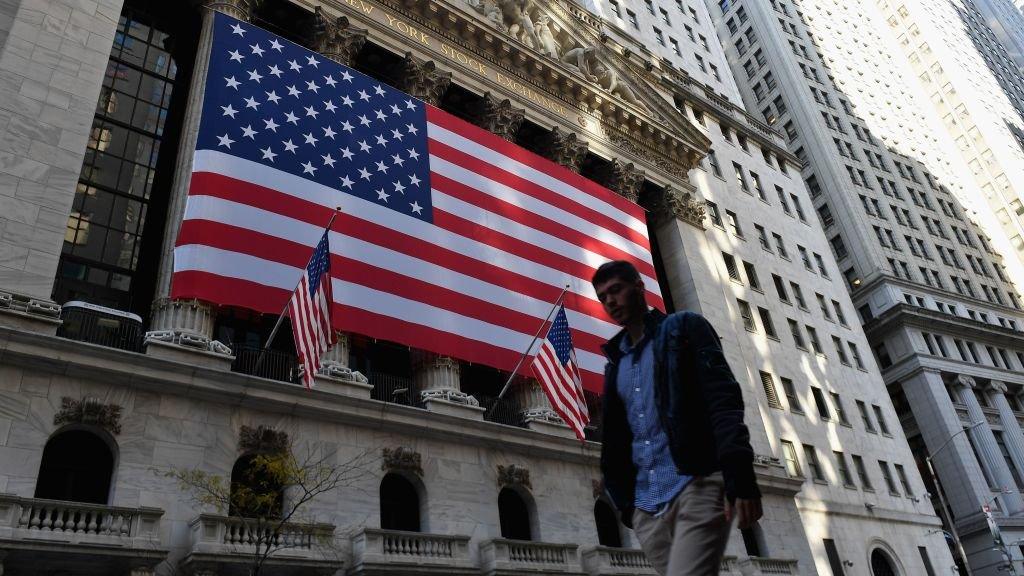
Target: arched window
256 488
753 541
607 525
77 466
881 564
514 515
399 504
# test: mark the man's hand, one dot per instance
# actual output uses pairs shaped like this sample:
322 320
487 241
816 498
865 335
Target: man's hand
747 512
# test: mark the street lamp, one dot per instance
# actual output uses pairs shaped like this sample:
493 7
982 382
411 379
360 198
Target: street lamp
942 499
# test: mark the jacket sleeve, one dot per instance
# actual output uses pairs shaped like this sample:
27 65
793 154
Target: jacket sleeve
724 400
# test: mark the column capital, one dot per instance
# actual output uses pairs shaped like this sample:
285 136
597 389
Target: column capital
964 381
684 204
997 386
423 80
625 179
336 38
565 148
240 9
498 116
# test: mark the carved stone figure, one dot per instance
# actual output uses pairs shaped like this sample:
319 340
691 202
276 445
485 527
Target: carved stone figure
548 44
89 410
586 61
517 18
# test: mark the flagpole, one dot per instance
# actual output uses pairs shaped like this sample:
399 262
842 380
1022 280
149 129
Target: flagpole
280 318
522 358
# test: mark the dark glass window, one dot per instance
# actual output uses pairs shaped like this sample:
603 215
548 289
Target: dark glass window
514 515
77 466
399 504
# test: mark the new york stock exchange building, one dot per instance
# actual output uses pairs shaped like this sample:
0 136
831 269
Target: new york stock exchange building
133 395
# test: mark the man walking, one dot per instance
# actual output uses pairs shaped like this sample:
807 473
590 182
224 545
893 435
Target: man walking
676 456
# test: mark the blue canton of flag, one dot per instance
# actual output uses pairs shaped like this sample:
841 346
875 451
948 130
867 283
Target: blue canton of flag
560 337
319 264
273 102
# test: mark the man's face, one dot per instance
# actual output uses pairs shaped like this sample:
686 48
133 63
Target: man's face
623 300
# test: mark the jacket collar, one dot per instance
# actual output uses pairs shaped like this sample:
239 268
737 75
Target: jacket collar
612 348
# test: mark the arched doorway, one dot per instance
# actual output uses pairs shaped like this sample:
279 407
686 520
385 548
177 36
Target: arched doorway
607 525
881 564
399 504
77 466
257 490
514 515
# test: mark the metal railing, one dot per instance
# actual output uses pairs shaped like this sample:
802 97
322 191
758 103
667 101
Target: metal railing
276 365
504 412
92 324
395 389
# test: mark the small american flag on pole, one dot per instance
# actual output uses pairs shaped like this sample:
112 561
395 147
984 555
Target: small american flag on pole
556 369
310 311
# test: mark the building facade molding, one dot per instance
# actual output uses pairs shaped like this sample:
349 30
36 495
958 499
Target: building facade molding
422 79
401 459
90 411
499 116
565 148
336 38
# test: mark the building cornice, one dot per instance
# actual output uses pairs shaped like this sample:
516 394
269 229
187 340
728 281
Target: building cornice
884 278
906 315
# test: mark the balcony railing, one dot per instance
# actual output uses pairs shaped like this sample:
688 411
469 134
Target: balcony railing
756 566
504 555
729 566
34 518
372 546
506 411
394 389
276 365
85 322
604 561
214 535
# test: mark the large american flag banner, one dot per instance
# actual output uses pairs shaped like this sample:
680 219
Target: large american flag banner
449 239
557 370
310 310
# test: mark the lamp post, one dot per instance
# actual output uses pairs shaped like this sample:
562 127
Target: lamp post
942 499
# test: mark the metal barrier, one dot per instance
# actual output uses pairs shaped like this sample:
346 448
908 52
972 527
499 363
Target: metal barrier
395 389
86 322
276 365
504 412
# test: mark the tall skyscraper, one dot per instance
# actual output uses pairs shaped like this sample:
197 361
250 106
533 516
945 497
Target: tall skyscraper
899 205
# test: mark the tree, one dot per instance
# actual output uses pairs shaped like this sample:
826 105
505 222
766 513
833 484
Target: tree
270 491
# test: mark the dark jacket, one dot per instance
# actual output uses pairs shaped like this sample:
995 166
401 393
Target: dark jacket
700 406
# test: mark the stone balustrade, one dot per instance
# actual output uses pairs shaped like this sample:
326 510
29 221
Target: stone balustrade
501 555
374 548
756 566
220 541
75 522
729 566
608 561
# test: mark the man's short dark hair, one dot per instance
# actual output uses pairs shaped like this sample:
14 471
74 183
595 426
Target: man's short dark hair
615 269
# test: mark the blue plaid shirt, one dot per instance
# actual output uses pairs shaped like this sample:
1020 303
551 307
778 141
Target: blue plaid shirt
657 480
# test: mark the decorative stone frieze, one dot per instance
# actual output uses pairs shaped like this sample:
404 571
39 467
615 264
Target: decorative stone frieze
624 179
565 148
337 39
240 9
402 460
513 475
262 440
683 204
422 79
498 116
184 323
91 411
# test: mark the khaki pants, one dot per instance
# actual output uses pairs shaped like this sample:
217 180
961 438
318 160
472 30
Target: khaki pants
689 538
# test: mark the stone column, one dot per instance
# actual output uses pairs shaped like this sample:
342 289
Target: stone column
175 332
498 116
941 428
985 441
437 380
423 80
1012 434
565 148
625 179
535 408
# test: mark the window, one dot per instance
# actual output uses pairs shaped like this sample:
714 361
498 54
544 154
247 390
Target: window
675 47
929 571
615 8
757 186
837 405
747 315
780 246
834 561
887 476
819 402
812 335
862 473
882 425
840 351
752 278
650 6
514 515
741 179
839 313
780 288
399 504
811 456
798 295
664 17
730 266
631 16
805 257
762 237
862 408
789 457
844 470
857 360
607 525
769 390
713 161
791 396
902 475
783 201
799 209
821 265
659 36
77 466
734 223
